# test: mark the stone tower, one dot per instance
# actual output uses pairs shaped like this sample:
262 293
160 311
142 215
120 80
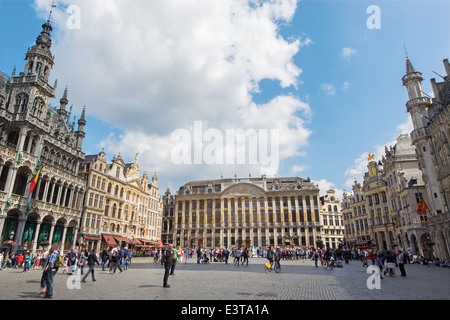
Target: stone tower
421 110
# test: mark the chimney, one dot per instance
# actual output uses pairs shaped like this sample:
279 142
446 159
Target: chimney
447 67
434 87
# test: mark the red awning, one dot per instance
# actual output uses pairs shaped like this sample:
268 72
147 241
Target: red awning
118 238
93 239
144 241
126 240
109 240
160 244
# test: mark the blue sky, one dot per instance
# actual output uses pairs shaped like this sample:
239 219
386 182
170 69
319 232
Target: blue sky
355 103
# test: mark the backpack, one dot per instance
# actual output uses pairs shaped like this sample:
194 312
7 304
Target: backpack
59 262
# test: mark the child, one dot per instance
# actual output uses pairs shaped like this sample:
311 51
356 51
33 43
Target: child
66 265
27 262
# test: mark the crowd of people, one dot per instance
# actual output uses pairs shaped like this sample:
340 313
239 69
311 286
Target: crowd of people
113 258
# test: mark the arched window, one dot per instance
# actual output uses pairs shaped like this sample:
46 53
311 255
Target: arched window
20 184
38 107
21 103
114 209
30 67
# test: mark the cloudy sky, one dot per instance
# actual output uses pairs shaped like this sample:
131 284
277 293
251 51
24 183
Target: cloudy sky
313 85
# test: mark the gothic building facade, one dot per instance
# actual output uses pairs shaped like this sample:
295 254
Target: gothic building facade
405 189
37 138
431 134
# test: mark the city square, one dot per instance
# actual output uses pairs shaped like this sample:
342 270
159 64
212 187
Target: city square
117 120
298 280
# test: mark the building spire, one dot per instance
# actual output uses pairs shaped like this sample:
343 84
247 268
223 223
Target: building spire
409 66
51 11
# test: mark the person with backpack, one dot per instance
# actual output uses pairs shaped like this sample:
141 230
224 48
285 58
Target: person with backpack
50 269
226 252
73 259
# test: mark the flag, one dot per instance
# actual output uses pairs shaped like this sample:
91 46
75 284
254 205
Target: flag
422 207
143 233
34 182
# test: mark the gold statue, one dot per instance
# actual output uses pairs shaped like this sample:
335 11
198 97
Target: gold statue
371 157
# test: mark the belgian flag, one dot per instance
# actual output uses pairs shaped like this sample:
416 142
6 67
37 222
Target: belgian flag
422 206
34 182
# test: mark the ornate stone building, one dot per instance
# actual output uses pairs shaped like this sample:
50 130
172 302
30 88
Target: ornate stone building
333 220
355 218
405 188
121 207
248 212
380 223
168 217
431 120
35 136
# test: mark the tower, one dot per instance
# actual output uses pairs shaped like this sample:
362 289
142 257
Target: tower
421 109
30 91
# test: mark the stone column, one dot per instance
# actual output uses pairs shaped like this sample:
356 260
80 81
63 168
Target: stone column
51 192
50 237
63 238
64 196
19 231
36 236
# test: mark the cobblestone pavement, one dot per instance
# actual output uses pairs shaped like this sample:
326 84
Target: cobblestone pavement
298 280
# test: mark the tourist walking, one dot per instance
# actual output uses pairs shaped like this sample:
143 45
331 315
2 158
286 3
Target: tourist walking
226 252
245 256
119 260
237 256
73 259
175 259
105 258
199 254
91 261
168 259
113 260
401 263
390 263
379 264
49 273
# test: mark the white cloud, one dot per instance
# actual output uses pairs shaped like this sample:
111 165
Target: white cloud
325 185
299 169
328 89
152 67
359 167
345 86
406 127
347 52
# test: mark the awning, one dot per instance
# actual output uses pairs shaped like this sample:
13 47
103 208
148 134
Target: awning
93 238
144 241
109 240
160 244
118 238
